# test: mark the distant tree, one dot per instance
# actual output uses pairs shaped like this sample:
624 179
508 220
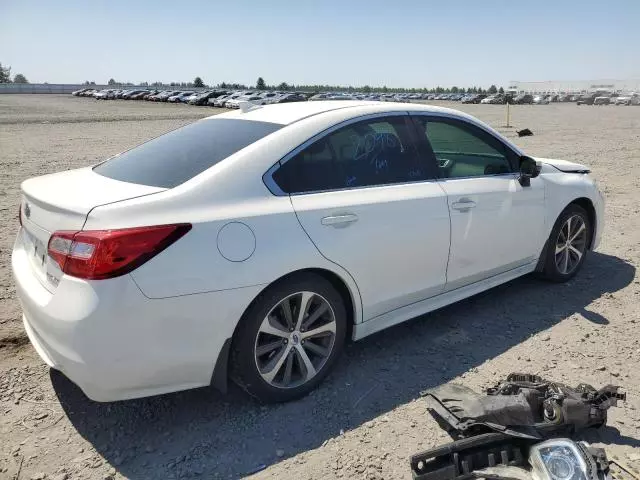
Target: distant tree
385 89
366 89
222 85
173 84
156 84
501 90
197 82
20 78
111 82
144 84
5 74
493 89
260 84
283 86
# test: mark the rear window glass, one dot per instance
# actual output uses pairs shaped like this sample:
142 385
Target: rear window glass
174 158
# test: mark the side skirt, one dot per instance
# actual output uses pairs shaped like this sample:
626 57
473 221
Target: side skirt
408 312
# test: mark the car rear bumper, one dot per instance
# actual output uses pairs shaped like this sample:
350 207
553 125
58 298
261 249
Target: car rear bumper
115 343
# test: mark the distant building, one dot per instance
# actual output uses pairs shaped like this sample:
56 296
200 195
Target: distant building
577 86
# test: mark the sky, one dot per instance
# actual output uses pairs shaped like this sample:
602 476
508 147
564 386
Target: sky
401 43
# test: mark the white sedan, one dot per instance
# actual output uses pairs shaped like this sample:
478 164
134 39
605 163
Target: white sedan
254 243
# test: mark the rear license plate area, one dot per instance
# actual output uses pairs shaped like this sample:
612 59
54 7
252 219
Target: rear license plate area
36 250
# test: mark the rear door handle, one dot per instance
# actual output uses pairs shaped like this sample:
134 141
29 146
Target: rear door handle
463 205
339 220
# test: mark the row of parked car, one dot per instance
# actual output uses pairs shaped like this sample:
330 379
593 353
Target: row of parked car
233 98
214 98
545 99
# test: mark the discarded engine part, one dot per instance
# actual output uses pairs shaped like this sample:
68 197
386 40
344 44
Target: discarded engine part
499 456
458 460
503 473
462 413
564 459
495 432
523 405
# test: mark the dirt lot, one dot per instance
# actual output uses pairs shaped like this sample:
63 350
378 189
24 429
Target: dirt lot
367 418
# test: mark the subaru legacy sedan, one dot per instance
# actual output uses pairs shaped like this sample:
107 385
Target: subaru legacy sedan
252 245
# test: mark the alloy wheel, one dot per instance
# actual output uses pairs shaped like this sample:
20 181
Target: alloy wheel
570 244
295 340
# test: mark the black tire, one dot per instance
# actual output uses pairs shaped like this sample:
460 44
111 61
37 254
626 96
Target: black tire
244 370
551 270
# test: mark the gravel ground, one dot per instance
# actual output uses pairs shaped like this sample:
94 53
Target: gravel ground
367 418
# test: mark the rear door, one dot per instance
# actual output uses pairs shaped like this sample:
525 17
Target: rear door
496 224
370 204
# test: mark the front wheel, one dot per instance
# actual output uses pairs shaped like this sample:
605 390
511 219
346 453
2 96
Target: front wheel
289 339
568 244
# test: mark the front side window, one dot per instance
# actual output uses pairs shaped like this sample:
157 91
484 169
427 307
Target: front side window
372 152
463 150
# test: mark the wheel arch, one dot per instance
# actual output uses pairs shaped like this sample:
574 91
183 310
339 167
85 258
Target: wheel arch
219 378
588 206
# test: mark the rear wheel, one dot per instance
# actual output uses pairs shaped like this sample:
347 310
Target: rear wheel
289 339
568 244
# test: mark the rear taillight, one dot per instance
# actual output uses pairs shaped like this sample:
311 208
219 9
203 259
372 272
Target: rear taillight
101 254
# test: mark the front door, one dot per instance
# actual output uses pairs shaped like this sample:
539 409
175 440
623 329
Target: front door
370 204
496 223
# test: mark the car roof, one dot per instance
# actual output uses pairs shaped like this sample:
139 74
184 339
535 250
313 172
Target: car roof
343 110
288 113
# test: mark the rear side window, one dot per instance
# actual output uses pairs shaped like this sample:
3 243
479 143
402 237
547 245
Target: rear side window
174 158
372 152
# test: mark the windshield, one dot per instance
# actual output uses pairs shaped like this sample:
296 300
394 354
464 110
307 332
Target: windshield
174 158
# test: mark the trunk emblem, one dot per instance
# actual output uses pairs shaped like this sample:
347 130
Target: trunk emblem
27 210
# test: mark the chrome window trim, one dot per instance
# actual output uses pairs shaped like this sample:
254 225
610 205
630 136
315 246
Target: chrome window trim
273 187
514 175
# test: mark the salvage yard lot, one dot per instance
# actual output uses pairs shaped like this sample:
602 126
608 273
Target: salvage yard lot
367 418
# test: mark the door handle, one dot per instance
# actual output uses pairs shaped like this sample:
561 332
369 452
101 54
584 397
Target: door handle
339 220
463 205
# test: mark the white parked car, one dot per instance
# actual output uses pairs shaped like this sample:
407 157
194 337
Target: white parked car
255 243
181 97
105 94
541 100
253 98
627 99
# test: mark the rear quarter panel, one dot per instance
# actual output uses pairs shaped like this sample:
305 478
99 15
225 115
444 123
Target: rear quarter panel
194 264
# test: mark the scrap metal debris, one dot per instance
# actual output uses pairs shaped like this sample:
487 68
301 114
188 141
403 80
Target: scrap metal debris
498 430
525 132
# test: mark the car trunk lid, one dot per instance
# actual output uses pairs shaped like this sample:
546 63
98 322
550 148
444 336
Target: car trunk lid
62 201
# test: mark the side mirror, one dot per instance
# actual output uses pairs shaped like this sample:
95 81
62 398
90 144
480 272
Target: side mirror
529 169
